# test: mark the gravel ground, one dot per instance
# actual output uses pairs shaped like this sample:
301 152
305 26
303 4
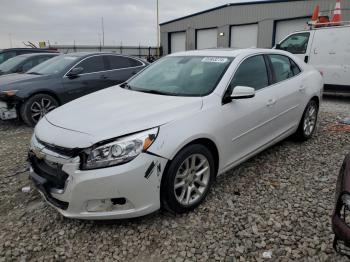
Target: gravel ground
279 201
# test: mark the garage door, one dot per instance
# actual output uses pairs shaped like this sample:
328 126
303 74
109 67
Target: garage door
243 36
177 42
284 28
207 38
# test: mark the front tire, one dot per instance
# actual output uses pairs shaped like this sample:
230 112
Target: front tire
34 108
188 179
308 122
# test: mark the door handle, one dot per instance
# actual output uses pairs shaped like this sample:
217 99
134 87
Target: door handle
271 102
103 77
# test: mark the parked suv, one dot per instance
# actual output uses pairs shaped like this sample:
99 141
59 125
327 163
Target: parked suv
161 138
60 80
23 63
6 54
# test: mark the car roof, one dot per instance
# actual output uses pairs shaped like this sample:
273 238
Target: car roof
37 54
31 49
228 52
86 54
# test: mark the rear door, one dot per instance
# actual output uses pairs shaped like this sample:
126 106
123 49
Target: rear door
92 78
289 89
121 68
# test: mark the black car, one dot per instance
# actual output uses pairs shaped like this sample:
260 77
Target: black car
23 63
6 54
61 79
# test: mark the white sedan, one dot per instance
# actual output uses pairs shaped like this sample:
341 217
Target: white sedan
161 138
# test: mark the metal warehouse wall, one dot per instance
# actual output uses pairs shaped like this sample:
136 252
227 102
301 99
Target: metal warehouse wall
265 14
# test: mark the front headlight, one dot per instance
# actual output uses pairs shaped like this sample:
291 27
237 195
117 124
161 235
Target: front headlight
119 151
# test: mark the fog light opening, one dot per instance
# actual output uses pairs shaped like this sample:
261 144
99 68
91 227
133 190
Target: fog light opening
118 201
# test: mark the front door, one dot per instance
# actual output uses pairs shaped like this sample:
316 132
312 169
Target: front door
298 44
92 78
248 122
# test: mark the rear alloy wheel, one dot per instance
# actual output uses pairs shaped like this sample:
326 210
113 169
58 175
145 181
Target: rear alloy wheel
308 122
36 107
188 179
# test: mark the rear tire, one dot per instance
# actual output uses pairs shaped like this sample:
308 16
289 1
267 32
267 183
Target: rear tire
35 107
308 122
187 180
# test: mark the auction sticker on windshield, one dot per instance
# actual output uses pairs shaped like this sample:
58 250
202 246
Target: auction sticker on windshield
214 60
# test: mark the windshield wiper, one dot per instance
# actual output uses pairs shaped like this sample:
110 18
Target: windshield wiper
156 92
34 73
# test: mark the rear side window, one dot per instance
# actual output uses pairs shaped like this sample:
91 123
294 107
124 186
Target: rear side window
282 67
295 67
296 44
252 73
118 62
92 64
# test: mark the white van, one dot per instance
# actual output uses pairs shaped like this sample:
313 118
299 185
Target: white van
328 50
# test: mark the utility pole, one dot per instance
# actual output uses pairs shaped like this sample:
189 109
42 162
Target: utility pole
158 40
103 32
10 38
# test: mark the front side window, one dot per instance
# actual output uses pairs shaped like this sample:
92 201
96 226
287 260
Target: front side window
118 62
282 67
252 73
182 75
296 43
92 64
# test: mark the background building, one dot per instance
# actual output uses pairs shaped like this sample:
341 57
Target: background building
253 24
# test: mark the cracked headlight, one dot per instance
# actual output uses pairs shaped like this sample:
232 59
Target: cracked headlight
346 200
119 151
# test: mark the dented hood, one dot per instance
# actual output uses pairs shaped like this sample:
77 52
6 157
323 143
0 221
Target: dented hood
110 113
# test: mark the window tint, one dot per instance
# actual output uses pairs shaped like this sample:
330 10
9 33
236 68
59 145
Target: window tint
295 67
27 65
92 64
296 44
117 62
252 73
282 67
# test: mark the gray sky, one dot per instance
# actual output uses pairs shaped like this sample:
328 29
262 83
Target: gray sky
131 22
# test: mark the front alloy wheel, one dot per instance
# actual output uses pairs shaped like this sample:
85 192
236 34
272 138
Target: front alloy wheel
192 179
36 107
187 180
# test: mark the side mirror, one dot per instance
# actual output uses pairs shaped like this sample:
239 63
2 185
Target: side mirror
75 72
242 92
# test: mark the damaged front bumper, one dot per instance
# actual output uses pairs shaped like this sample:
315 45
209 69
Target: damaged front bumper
341 214
124 191
7 111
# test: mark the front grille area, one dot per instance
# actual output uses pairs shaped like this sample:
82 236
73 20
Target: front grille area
48 176
52 172
69 152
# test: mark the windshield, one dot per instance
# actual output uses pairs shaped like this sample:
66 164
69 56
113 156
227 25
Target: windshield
11 63
182 76
54 65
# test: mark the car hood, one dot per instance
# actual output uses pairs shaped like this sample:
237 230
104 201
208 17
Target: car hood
7 81
115 111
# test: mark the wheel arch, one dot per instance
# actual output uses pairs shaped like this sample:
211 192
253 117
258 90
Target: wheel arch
46 92
208 143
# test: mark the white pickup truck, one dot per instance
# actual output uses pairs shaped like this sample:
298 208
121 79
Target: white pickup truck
328 50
